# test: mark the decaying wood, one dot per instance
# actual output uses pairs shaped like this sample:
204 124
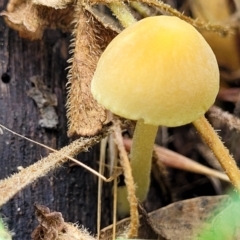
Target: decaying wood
70 190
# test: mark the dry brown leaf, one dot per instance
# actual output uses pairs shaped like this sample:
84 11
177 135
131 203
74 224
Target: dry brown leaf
31 20
183 220
225 48
85 115
25 19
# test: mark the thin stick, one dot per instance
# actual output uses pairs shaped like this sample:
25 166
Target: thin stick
133 202
100 182
211 138
113 161
10 186
83 140
112 153
115 181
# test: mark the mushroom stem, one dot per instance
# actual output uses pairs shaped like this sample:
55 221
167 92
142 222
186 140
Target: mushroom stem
141 162
141 157
211 138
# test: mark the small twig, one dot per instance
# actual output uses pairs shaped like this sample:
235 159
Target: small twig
18 181
115 182
101 171
105 132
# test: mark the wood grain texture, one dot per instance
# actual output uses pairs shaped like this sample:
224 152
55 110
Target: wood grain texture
70 189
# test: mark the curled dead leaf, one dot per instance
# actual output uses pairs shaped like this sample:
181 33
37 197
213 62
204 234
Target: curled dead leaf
85 115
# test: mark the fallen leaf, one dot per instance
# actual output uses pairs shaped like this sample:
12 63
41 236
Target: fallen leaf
187 220
183 220
85 115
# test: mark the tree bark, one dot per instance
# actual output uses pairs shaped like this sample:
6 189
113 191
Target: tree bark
70 190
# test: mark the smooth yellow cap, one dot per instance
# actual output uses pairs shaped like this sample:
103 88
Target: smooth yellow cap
160 70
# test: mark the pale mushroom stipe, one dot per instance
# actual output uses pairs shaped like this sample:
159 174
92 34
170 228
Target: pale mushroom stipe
160 71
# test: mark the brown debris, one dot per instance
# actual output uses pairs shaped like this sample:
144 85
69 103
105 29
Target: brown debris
181 220
31 20
52 227
50 224
12 4
224 118
85 116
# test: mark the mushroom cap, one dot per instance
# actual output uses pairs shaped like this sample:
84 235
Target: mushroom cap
159 69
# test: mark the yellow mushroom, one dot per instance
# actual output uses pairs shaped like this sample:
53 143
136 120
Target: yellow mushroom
158 71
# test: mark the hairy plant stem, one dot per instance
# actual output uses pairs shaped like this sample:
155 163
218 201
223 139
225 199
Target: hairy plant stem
218 28
141 162
130 186
143 10
122 13
12 185
213 141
